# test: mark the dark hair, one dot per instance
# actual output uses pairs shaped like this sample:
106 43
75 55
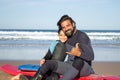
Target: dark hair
63 18
59 31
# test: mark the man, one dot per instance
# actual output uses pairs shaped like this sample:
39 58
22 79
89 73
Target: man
80 53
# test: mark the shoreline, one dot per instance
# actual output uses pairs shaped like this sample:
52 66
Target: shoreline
100 67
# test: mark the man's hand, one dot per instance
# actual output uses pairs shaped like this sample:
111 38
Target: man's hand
42 61
75 51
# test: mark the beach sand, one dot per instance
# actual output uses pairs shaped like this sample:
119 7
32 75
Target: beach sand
102 68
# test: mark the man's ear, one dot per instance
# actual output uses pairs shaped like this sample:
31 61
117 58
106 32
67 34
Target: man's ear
73 24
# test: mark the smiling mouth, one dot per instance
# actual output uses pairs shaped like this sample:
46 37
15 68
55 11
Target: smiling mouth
69 31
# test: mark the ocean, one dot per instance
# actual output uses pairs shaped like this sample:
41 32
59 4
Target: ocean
24 44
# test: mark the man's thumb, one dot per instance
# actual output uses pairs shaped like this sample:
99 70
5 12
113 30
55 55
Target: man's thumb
77 45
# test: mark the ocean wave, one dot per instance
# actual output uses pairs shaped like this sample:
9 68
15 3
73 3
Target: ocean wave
104 35
49 35
16 35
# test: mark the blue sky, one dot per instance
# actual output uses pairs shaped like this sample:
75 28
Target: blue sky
44 14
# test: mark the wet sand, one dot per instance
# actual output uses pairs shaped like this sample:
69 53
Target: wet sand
102 68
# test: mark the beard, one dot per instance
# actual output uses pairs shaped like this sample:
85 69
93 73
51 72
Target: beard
69 33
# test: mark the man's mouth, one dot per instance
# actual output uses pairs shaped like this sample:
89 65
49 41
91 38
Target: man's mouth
69 31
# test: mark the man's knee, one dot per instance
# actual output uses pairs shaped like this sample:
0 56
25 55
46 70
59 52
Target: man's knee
70 74
78 63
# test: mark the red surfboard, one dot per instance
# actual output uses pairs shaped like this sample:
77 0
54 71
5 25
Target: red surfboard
91 77
13 70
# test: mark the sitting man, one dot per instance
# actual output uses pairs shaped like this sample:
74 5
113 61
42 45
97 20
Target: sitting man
80 53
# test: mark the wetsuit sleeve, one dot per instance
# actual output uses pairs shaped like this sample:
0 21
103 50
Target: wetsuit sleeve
86 48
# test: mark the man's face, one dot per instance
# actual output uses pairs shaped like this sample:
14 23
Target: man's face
68 28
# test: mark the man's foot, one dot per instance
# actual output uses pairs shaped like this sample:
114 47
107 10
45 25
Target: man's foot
16 77
19 77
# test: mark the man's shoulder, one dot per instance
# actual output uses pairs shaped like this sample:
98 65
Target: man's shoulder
80 32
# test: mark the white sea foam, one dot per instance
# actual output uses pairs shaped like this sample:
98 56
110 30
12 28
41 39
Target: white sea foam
48 35
104 35
22 35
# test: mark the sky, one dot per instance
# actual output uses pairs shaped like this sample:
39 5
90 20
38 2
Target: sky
44 14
